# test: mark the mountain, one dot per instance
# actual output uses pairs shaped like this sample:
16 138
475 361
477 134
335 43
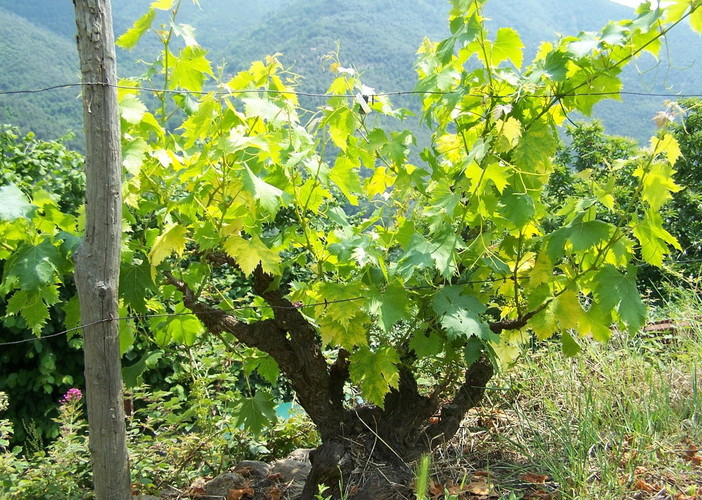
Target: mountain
31 58
377 37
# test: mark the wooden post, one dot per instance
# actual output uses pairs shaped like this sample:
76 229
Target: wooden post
97 260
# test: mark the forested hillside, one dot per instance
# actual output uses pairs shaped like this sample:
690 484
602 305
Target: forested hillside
377 37
30 58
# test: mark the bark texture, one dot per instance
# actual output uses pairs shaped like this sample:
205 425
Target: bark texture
97 259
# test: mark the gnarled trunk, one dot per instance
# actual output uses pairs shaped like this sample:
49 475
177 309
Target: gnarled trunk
367 447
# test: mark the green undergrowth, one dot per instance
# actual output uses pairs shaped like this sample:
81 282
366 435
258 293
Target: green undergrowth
620 420
173 439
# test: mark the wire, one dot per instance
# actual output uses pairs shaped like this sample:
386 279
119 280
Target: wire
327 95
172 315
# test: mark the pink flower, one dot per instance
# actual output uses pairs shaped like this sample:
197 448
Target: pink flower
71 395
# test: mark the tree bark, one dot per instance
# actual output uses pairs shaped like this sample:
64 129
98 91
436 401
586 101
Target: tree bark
97 259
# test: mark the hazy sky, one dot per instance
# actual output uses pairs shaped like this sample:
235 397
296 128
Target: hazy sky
630 3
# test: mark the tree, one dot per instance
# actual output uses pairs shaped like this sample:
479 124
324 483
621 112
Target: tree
445 267
387 288
685 222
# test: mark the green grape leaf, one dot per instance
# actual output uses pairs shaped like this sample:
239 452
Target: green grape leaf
13 203
426 344
126 335
263 108
345 176
507 46
614 290
130 38
390 305
517 208
459 314
342 123
586 43
584 235
33 306
569 345
135 283
472 351
654 239
568 310
493 172
183 328
375 372
555 65
255 413
132 375
131 109
536 145
347 334
32 267
265 366
668 145
658 184
133 153
418 256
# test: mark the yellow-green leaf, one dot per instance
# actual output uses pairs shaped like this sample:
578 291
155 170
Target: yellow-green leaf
162 4
654 239
131 109
348 335
667 145
172 239
249 253
658 184
131 37
507 46
190 69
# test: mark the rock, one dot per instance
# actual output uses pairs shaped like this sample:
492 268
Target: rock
221 485
301 454
253 468
291 469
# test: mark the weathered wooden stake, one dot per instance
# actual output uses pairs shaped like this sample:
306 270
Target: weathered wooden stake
97 259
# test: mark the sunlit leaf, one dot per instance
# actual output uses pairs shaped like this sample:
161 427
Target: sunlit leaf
375 372
172 239
13 203
131 37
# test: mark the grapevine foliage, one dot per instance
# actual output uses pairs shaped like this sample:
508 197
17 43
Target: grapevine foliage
425 261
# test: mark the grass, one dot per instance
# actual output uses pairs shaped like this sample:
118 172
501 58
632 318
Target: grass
620 420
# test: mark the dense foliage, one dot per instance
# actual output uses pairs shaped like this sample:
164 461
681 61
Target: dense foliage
686 207
591 159
400 307
35 374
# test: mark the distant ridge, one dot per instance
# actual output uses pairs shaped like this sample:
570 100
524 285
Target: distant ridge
32 57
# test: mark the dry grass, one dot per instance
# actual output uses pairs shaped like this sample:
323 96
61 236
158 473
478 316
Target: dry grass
619 421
